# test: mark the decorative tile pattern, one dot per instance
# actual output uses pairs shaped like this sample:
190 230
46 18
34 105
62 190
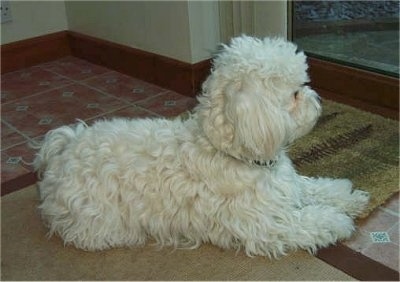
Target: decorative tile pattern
380 237
20 84
168 104
74 68
21 154
45 121
54 108
10 171
22 108
9 137
124 87
14 160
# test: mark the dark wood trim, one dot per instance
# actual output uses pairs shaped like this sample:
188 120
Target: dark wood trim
200 72
33 51
369 87
18 183
357 265
362 105
130 61
172 74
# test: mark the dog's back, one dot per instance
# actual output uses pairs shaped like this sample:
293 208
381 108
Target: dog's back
54 144
99 182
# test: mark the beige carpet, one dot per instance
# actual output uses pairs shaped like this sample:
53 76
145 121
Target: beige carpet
26 254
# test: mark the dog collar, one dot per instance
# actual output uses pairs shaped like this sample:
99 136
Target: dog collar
261 163
267 164
264 163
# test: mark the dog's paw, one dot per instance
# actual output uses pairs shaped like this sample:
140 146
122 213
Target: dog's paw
342 227
342 196
358 203
325 225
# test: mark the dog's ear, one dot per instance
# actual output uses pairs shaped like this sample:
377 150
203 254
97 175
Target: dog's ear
257 119
239 119
211 110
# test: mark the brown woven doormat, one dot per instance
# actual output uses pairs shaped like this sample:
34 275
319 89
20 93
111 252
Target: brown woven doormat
353 144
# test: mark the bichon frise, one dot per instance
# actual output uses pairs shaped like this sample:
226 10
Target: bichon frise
220 177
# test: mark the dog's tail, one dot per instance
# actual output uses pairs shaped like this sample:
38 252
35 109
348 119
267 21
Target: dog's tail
54 143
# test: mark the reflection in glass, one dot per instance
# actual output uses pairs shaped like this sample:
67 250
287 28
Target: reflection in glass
364 34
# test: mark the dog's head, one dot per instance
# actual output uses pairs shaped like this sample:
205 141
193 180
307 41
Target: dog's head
255 101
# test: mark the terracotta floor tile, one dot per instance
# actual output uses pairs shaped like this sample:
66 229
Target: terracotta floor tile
9 137
74 68
169 104
360 241
387 253
379 220
24 153
27 82
11 169
394 234
36 115
393 204
128 112
124 87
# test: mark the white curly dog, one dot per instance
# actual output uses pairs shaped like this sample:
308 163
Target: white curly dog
220 177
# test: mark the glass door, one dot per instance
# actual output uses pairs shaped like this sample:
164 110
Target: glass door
362 34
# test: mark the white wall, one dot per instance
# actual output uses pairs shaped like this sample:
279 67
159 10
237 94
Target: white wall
270 18
157 27
204 29
184 30
33 18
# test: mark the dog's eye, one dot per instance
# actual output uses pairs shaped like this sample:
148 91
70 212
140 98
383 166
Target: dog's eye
296 94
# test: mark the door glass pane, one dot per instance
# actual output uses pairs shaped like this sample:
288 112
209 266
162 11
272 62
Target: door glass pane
363 34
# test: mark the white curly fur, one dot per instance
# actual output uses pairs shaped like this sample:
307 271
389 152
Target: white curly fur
184 183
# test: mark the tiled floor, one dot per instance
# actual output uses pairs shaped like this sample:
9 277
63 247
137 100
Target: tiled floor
377 236
37 99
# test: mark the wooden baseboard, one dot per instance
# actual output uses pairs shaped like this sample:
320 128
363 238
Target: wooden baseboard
175 75
368 87
33 51
359 104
